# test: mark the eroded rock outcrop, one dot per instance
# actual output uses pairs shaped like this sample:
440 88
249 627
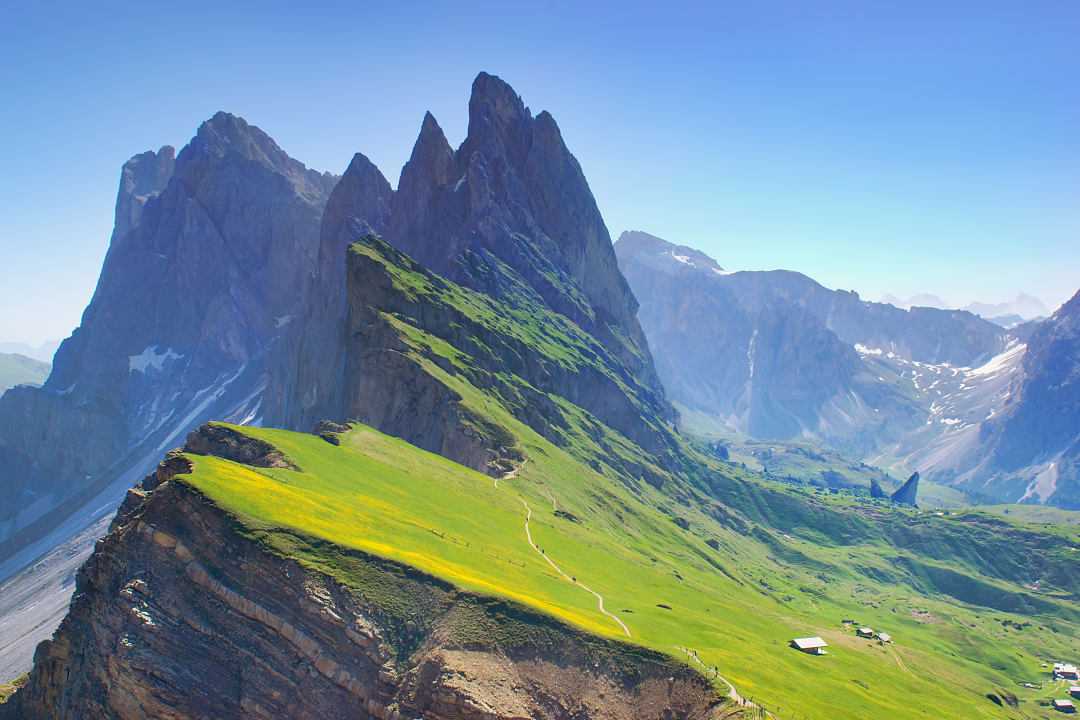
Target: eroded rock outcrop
182 612
224 442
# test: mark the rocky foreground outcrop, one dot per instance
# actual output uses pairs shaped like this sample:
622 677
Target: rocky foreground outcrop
184 612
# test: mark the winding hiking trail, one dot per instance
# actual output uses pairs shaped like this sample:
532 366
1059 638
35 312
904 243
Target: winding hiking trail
900 661
598 596
733 694
528 536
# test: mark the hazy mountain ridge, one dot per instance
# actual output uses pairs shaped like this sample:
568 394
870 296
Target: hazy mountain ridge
18 369
1023 306
775 355
1038 434
42 353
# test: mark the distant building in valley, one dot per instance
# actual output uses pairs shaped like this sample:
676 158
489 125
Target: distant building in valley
865 632
1065 706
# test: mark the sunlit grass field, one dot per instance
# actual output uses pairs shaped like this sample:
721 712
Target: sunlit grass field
732 601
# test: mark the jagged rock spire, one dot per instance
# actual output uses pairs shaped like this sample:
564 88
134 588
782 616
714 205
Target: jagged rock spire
511 209
908 494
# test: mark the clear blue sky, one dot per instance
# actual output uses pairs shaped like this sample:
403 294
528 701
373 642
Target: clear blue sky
882 147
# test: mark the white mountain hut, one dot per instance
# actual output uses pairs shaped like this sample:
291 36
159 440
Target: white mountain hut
810 645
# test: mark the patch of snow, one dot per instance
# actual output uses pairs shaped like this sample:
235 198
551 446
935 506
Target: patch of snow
750 352
1043 486
459 183
213 392
247 412
863 350
1003 362
684 259
151 358
282 320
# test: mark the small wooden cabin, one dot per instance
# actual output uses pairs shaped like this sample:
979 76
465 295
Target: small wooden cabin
810 645
1064 706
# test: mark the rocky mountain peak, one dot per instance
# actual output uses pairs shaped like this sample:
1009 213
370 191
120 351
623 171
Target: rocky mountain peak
205 278
509 212
431 163
499 122
362 190
142 177
361 204
660 254
229 139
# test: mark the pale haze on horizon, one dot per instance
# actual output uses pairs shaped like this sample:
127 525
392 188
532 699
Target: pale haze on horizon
889 151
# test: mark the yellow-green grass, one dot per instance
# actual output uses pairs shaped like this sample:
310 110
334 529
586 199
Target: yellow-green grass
7 689
737 606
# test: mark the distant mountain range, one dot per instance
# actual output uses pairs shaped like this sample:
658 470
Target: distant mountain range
43 352
1007 314
16 369
776 355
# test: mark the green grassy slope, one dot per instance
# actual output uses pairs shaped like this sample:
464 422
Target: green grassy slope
686 551
806 463
18 369
736 606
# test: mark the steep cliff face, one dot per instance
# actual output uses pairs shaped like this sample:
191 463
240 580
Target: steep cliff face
1037 437
412 334
359 205
49 435
511 206
508 215
203 277
182 612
